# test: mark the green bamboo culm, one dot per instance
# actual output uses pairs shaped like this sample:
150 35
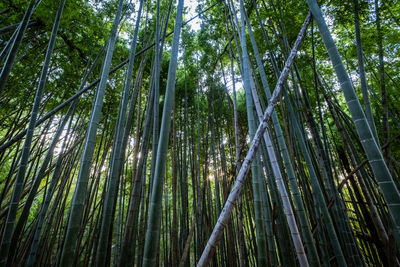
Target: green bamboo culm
156 105
5 50
25 154
15 44
117 154
257 177
361 70
305 228
371 148
317 190
32 257
29 202
78 201
216 235
154 219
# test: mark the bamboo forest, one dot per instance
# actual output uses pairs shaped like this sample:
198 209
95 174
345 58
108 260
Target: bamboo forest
199 133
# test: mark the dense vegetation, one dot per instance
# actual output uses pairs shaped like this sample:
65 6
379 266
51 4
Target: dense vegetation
176 133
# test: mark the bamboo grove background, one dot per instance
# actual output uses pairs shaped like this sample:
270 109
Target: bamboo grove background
267 136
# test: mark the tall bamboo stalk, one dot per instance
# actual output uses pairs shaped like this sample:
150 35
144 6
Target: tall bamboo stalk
78 202
257 177
19 180
228 207
373 152
117 153
361 69
153 228
5 71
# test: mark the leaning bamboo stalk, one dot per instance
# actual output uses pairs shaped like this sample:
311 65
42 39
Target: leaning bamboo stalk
25 153
35 186
297 240
78 202
224 216
4 51
295 191
117 153
296 237
5 71
373 152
